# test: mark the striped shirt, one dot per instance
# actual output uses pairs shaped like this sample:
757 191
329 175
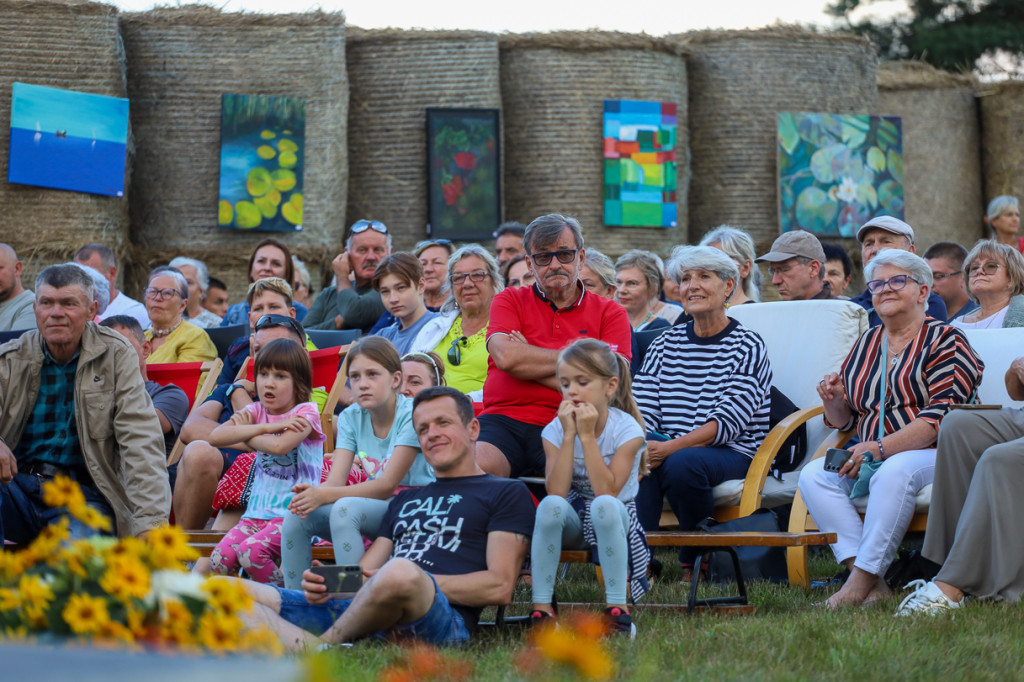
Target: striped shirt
938 369
687 381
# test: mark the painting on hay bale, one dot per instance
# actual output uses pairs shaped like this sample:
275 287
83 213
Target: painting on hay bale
262 150
640 163
837 171
67 140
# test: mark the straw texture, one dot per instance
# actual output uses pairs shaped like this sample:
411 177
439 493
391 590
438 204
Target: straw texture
395 76
1002 129
941 150
739 82
554 86
180 62
74 46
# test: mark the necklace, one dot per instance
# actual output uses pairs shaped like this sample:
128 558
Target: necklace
157 333
896 353
644 321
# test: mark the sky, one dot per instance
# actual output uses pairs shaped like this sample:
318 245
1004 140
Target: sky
656 17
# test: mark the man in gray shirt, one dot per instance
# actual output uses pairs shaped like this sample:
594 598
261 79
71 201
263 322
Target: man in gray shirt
15 300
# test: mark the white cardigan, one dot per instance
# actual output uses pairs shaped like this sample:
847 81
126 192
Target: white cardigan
433 331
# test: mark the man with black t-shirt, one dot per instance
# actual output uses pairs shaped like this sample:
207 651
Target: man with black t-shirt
444 551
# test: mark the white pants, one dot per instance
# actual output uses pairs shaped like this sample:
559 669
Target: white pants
893 489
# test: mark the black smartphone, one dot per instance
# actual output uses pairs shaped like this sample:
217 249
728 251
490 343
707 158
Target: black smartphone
340 578
835 459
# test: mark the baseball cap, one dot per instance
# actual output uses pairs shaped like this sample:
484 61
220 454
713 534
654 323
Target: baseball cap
889 224
795 244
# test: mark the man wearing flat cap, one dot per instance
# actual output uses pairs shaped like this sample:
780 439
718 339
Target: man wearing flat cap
797 267
886 232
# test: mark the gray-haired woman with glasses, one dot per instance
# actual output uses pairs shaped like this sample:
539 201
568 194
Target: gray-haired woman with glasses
459 334
895 387
994 279
172 338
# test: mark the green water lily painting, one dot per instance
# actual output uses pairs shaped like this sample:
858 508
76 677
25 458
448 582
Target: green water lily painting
262 154
837 171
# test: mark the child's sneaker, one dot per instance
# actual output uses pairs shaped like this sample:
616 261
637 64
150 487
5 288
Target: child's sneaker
620 622
539 617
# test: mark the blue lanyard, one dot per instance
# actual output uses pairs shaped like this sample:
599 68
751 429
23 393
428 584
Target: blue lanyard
883 366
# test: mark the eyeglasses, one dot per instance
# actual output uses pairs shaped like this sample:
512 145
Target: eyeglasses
454 353
896 282
271 321
988 268
160 294
476 276
564 256
780 271
364 225
939 276
432 242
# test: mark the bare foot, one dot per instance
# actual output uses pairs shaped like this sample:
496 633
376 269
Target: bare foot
879 591
854 591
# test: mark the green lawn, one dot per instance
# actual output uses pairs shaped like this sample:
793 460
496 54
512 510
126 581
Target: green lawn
788 638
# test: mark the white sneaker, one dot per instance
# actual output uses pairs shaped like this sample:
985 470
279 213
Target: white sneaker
926 598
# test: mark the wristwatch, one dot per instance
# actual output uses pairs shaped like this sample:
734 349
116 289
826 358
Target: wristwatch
233 388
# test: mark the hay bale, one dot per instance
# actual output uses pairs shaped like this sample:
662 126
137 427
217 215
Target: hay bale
180 62
941 150
74 46
739 82
395 75
554 86
1002 129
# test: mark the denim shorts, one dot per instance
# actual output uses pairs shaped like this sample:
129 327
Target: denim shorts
442 625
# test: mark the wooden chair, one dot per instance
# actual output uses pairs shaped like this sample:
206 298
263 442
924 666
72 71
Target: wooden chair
997 349
186 376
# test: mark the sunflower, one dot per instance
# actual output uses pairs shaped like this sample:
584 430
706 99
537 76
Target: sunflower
115 632
261 641
12 564
62 492
91 517
219 633
49 539
126 578
136 621
227 596
9 599
85 614
127 546
170 547
36 594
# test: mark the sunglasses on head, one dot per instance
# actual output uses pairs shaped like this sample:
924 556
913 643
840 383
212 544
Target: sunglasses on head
361 226
271 321
455 353
432 242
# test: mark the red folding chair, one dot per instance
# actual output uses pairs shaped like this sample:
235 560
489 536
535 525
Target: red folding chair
186 376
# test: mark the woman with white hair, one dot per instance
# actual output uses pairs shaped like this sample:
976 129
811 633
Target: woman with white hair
638 277
703 391
598 274
993 276
895 387
198 278
1003 216
739 246
173 338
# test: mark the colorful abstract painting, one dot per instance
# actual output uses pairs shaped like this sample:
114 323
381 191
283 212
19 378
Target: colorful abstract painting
464 179
69 140
262 154
837 171
640 163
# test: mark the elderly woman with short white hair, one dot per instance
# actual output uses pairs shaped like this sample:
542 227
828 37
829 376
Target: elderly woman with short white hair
739 246
1003 216
198 278
894 388
703 391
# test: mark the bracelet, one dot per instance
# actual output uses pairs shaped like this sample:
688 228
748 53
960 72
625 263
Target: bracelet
881 451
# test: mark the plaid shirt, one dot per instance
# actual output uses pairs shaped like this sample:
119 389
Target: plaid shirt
51 434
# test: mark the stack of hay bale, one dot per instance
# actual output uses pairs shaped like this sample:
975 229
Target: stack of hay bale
180 62
941 140
1002 129
553 87
74 46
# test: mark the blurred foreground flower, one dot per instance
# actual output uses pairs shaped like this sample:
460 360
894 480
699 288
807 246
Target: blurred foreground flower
421 661
575 641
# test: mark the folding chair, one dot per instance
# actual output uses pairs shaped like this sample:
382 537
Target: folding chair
186 376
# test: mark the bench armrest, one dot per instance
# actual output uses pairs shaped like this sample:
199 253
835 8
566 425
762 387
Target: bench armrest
753 484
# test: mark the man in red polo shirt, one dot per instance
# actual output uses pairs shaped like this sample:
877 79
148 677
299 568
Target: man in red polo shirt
527 329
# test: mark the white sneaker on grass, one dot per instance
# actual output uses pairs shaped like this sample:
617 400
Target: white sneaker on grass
926 598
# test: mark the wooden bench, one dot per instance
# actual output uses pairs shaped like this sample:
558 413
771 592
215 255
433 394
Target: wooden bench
203 541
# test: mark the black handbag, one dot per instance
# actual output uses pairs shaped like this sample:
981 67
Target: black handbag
757 563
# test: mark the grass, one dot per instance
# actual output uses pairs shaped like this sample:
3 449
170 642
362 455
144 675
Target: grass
787 638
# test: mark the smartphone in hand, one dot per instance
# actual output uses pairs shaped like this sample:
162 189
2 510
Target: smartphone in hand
835 459
340 579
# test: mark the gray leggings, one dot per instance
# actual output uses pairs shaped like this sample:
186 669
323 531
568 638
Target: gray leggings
345 522
558 527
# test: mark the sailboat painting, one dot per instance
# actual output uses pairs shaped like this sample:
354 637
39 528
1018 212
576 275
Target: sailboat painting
62 139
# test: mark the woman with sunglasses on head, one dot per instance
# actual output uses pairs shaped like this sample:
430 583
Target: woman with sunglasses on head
350 301
895 387
994 279
420 371
173 338
270 258
459 334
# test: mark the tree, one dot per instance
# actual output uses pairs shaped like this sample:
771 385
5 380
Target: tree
949 34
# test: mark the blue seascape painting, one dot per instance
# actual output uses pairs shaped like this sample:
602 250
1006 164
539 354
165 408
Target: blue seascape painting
68 140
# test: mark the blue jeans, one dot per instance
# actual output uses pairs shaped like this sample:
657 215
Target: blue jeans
442 625
685 478
23 514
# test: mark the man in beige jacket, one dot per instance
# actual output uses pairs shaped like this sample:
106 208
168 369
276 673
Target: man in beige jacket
72 403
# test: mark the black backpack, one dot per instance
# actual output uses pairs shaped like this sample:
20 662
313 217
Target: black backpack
792 451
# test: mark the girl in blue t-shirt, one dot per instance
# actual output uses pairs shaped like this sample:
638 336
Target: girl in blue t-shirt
376 434
595 453
283 427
